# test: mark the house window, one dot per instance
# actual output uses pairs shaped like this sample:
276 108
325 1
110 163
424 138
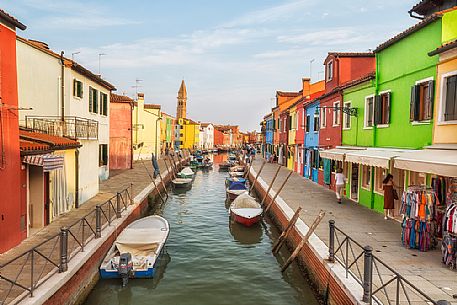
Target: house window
103 103
421 102
308 121
450 98
346 116
323 115
336 113
382 109
366 177
369 111
316 159
77 88
93 100
380 173
316 123
329 70
103 154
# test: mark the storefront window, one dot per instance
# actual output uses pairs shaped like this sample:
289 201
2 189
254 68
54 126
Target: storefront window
380 173
416 178
366 177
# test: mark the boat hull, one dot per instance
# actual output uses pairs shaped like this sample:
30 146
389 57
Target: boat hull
248 222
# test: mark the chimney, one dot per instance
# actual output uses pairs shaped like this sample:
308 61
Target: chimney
140 100
306 86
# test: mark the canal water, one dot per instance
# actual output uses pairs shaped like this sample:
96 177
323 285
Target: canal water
209 260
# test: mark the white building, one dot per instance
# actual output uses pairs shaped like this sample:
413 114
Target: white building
66 100
206 135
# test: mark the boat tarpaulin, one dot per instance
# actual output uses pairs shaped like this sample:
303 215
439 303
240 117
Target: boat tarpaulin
187 171
49 162
245 201
373 157
139 242
432 161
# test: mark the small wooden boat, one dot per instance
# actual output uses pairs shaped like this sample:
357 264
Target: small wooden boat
137 250
245 210
237 168
235 189
230 180
236 174
186 172
224 166
206 165
182 182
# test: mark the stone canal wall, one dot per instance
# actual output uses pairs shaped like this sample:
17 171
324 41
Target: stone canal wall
328 278
73 286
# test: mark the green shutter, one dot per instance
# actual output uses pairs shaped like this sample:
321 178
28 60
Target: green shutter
431 92
388 108
377 110
91 99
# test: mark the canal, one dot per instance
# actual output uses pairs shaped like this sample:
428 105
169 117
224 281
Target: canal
209 260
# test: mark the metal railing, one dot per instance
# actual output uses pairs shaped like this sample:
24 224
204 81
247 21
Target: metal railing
381 284
22 275
71 127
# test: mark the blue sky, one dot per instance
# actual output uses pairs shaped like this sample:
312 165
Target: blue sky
233 54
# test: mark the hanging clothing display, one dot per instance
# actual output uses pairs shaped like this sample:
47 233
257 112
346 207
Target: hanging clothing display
449 222
419 224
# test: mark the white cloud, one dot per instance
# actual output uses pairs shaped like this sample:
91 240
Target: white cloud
328 37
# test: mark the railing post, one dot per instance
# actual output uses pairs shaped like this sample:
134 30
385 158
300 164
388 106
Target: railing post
32 285
98 221
131 194
63 266
118 205
83 232
367 273
331 246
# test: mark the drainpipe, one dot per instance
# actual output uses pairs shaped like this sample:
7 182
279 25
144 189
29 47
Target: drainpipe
132 108
77 178
62 87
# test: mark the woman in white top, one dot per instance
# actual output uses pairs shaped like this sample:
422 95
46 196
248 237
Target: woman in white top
340 181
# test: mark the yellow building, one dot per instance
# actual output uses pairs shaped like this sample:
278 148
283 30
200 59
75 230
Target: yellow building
291 136
146 129
189 136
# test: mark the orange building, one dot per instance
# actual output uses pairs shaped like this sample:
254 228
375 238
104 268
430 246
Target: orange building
120 128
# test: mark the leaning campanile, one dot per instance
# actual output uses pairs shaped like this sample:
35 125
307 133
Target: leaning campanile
182 101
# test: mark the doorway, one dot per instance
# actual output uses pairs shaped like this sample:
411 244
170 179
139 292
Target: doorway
399 181
355 181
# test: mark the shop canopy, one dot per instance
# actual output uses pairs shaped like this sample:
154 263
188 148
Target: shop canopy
373 157
432 161
49 162
337 154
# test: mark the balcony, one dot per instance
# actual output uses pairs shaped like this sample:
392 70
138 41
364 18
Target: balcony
71 127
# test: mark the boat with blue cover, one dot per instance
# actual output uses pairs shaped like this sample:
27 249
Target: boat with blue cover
235 189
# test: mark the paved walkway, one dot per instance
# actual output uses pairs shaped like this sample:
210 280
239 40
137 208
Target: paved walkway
423 269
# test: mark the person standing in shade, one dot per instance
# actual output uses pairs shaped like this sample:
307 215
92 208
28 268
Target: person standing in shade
390 194
340 182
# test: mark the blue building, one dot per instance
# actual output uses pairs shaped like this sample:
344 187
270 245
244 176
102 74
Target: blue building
311 147
269 134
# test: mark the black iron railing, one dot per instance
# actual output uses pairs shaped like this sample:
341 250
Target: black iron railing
70 127
21 276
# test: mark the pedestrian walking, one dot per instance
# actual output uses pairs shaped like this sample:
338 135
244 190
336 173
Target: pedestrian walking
390 195
340 182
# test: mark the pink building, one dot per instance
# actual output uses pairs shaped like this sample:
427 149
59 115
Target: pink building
120 137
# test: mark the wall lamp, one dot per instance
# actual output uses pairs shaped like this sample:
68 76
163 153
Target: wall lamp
351 111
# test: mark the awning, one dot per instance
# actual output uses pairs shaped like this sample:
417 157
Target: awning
335 153
49 162
432 161
373 157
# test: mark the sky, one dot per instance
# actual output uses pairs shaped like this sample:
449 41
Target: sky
232 54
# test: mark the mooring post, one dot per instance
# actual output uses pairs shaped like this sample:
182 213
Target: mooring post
118 205
163 185
63 266
131 194
257 176
158 191
271 185
98 221
331 246
285 234
279 191
367 273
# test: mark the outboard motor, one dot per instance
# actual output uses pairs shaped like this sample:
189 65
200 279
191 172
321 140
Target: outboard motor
125 267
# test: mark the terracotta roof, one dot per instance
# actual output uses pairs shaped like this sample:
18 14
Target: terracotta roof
54 142
352 54
42 46
358 81
445 47
151 106
426 7
116 98
408 32
10 19
205 124
287 94
29 146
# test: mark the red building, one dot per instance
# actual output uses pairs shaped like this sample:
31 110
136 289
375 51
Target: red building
339 69
284 137
120 132
13 202
218 138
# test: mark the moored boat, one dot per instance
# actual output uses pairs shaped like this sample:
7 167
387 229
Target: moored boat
137 250
236 174
224 166
186 172
237 168
182 182
245 210
230 180
236 189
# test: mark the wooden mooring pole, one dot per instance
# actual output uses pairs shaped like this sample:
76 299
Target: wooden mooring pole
163 184
304 240
153 182
168 169
271 185
279 191
285 234
257 176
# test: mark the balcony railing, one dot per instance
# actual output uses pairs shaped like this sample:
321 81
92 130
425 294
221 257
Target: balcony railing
70 127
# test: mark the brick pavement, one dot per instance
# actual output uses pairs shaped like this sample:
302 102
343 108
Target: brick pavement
423 269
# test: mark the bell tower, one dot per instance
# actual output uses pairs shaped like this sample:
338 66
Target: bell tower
182 101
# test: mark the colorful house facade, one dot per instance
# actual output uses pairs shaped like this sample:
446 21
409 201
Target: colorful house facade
146 129
311 146
167 132
120 136
269 135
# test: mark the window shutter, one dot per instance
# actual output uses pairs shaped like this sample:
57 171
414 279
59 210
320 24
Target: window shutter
412 104
388 108
451 98
80 89
377 109
75 89
91 99
431 92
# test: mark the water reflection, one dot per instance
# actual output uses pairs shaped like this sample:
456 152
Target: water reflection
244 235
